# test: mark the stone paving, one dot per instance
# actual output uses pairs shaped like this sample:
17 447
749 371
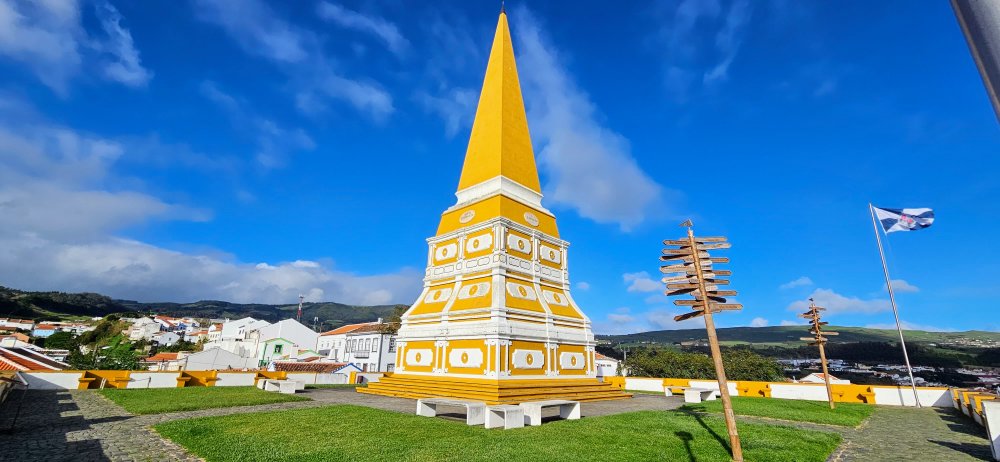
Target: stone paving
71 425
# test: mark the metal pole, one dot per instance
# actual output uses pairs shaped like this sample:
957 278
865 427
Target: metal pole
713 343
892 299
980 22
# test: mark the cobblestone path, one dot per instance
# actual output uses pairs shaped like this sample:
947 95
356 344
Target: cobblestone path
937 434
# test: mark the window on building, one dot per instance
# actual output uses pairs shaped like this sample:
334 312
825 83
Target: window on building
392 344
368 344
375 344
390 367
277 349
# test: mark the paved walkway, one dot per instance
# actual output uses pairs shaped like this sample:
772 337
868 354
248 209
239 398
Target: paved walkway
84 426
936 434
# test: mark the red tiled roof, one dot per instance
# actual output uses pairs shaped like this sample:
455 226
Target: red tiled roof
289 366
347 328
19 363
45 326
600 356
162 357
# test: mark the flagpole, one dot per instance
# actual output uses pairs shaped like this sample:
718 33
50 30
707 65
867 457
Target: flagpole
892 299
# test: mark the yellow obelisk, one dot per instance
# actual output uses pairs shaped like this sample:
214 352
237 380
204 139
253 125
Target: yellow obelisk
496 321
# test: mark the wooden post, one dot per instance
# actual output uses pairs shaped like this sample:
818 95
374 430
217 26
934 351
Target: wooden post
819 339
713 343
826 376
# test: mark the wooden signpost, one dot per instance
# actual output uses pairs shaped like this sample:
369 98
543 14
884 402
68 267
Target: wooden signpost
689 269
819 339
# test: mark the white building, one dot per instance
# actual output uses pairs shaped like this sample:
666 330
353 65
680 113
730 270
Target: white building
165 338
143 329
333 343
606 366
207 360
25 324
263 341
371 349
817 377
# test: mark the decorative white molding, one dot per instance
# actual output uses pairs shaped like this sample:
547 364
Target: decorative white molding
518 244
479 243
554 298
438 295
445 252
550 254
474 290
467 216
521 291
419 357
528 359
496 186
531 218
569 360
465 357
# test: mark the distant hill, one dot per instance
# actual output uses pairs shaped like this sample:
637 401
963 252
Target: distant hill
788 336
51 305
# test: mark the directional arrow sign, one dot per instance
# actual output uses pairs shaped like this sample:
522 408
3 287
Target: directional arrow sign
690 315
676 242
679 279
689 302
721 282
721 245
710 239
678 292
726 306
680 251
717 293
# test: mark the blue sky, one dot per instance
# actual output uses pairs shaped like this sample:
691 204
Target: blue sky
251 151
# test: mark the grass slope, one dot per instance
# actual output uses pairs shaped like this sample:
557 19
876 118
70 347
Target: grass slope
789 335
846 414
160 400
350 433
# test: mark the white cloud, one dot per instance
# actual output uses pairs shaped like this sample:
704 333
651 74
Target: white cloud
371 24
623 321
58 226
588 166
836 303
297 51
274 142
800 282
455 106
759 322
900 285
126 67
641 282
909 326
792 323
688 29
584 286
49 39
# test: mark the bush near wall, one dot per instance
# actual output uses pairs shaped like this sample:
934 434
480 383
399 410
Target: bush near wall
740 364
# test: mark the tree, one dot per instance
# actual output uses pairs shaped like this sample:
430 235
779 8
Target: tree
391 325
60 341
740 364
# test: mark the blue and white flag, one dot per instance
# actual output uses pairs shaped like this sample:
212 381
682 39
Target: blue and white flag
904 219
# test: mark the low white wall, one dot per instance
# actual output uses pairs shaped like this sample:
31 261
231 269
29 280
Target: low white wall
991 411
331 379
714 385
152 380
52 380
805 392
903 396
368 377
308 378
644 384
235 379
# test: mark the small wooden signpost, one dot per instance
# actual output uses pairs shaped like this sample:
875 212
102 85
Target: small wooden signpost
689 269
819 339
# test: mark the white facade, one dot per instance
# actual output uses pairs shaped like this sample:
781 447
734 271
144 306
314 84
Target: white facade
165 338
207 360
25 324
372 351
289 329
143 329
606 366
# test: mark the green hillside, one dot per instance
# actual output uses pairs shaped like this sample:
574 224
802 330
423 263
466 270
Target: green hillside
789 336
57 305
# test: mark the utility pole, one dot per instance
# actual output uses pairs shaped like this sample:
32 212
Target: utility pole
696 276
818 339
298 317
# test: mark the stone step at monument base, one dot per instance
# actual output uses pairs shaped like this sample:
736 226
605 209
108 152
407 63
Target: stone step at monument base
493 391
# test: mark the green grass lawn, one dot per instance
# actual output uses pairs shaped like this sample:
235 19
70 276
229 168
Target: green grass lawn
351 433
846 414
160 400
